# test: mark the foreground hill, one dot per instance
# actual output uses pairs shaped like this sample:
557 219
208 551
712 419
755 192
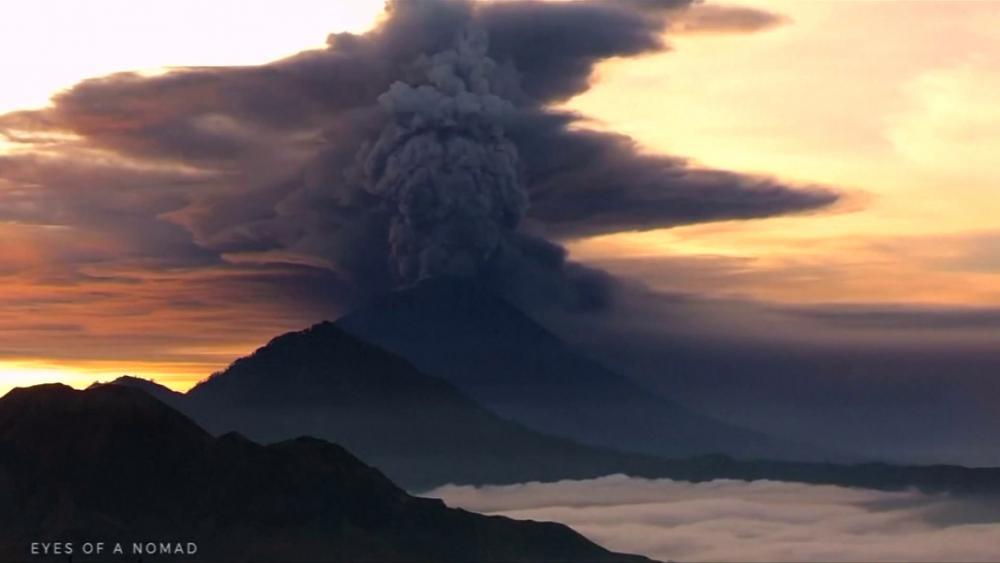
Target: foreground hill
114 464
504 360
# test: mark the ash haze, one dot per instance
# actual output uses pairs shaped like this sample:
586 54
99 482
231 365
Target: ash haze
778 213
757 521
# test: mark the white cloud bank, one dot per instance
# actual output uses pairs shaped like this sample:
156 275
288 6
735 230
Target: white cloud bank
759 521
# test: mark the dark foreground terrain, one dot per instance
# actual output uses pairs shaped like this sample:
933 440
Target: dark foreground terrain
114 464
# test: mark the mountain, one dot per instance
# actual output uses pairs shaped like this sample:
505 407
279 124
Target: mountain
507 362
423 432
114 464
161 392
418 429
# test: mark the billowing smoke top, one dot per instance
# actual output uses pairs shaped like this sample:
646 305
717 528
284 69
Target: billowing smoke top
443 166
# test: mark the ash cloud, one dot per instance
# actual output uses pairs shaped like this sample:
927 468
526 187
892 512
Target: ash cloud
423 147
758 521
445 167
714 18
586 183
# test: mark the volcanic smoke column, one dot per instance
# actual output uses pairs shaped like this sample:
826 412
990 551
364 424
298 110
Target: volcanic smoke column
444 167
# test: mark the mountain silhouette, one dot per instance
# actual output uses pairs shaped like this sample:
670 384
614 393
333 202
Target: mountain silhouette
114 464
464 333
422 431
419 429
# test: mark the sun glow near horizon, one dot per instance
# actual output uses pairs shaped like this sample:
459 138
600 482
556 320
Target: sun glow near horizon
27 372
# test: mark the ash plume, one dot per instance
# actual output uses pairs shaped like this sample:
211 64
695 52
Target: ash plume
444 167
406 152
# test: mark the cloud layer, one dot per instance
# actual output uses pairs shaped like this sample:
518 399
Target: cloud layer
759 521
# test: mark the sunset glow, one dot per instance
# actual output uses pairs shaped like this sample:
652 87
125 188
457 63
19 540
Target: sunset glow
22 373
905 128
909 124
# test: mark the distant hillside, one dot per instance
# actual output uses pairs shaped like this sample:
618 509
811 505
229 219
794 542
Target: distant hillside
419 429
464 333
114 464
423 432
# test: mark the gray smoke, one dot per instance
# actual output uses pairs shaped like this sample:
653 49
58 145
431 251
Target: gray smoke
387 157
444 167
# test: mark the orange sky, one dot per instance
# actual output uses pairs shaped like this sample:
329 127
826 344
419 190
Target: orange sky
115 325
894 101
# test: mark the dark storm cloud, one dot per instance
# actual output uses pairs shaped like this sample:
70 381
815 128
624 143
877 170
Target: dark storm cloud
266 163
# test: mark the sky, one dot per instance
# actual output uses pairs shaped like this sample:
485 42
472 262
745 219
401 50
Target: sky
888 103
45 46
890 100
45 50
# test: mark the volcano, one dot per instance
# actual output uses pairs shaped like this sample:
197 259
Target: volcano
463 332
420 430
423 431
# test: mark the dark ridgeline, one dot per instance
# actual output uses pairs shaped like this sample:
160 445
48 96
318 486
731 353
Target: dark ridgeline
420 430
460 331
423 432
114 464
